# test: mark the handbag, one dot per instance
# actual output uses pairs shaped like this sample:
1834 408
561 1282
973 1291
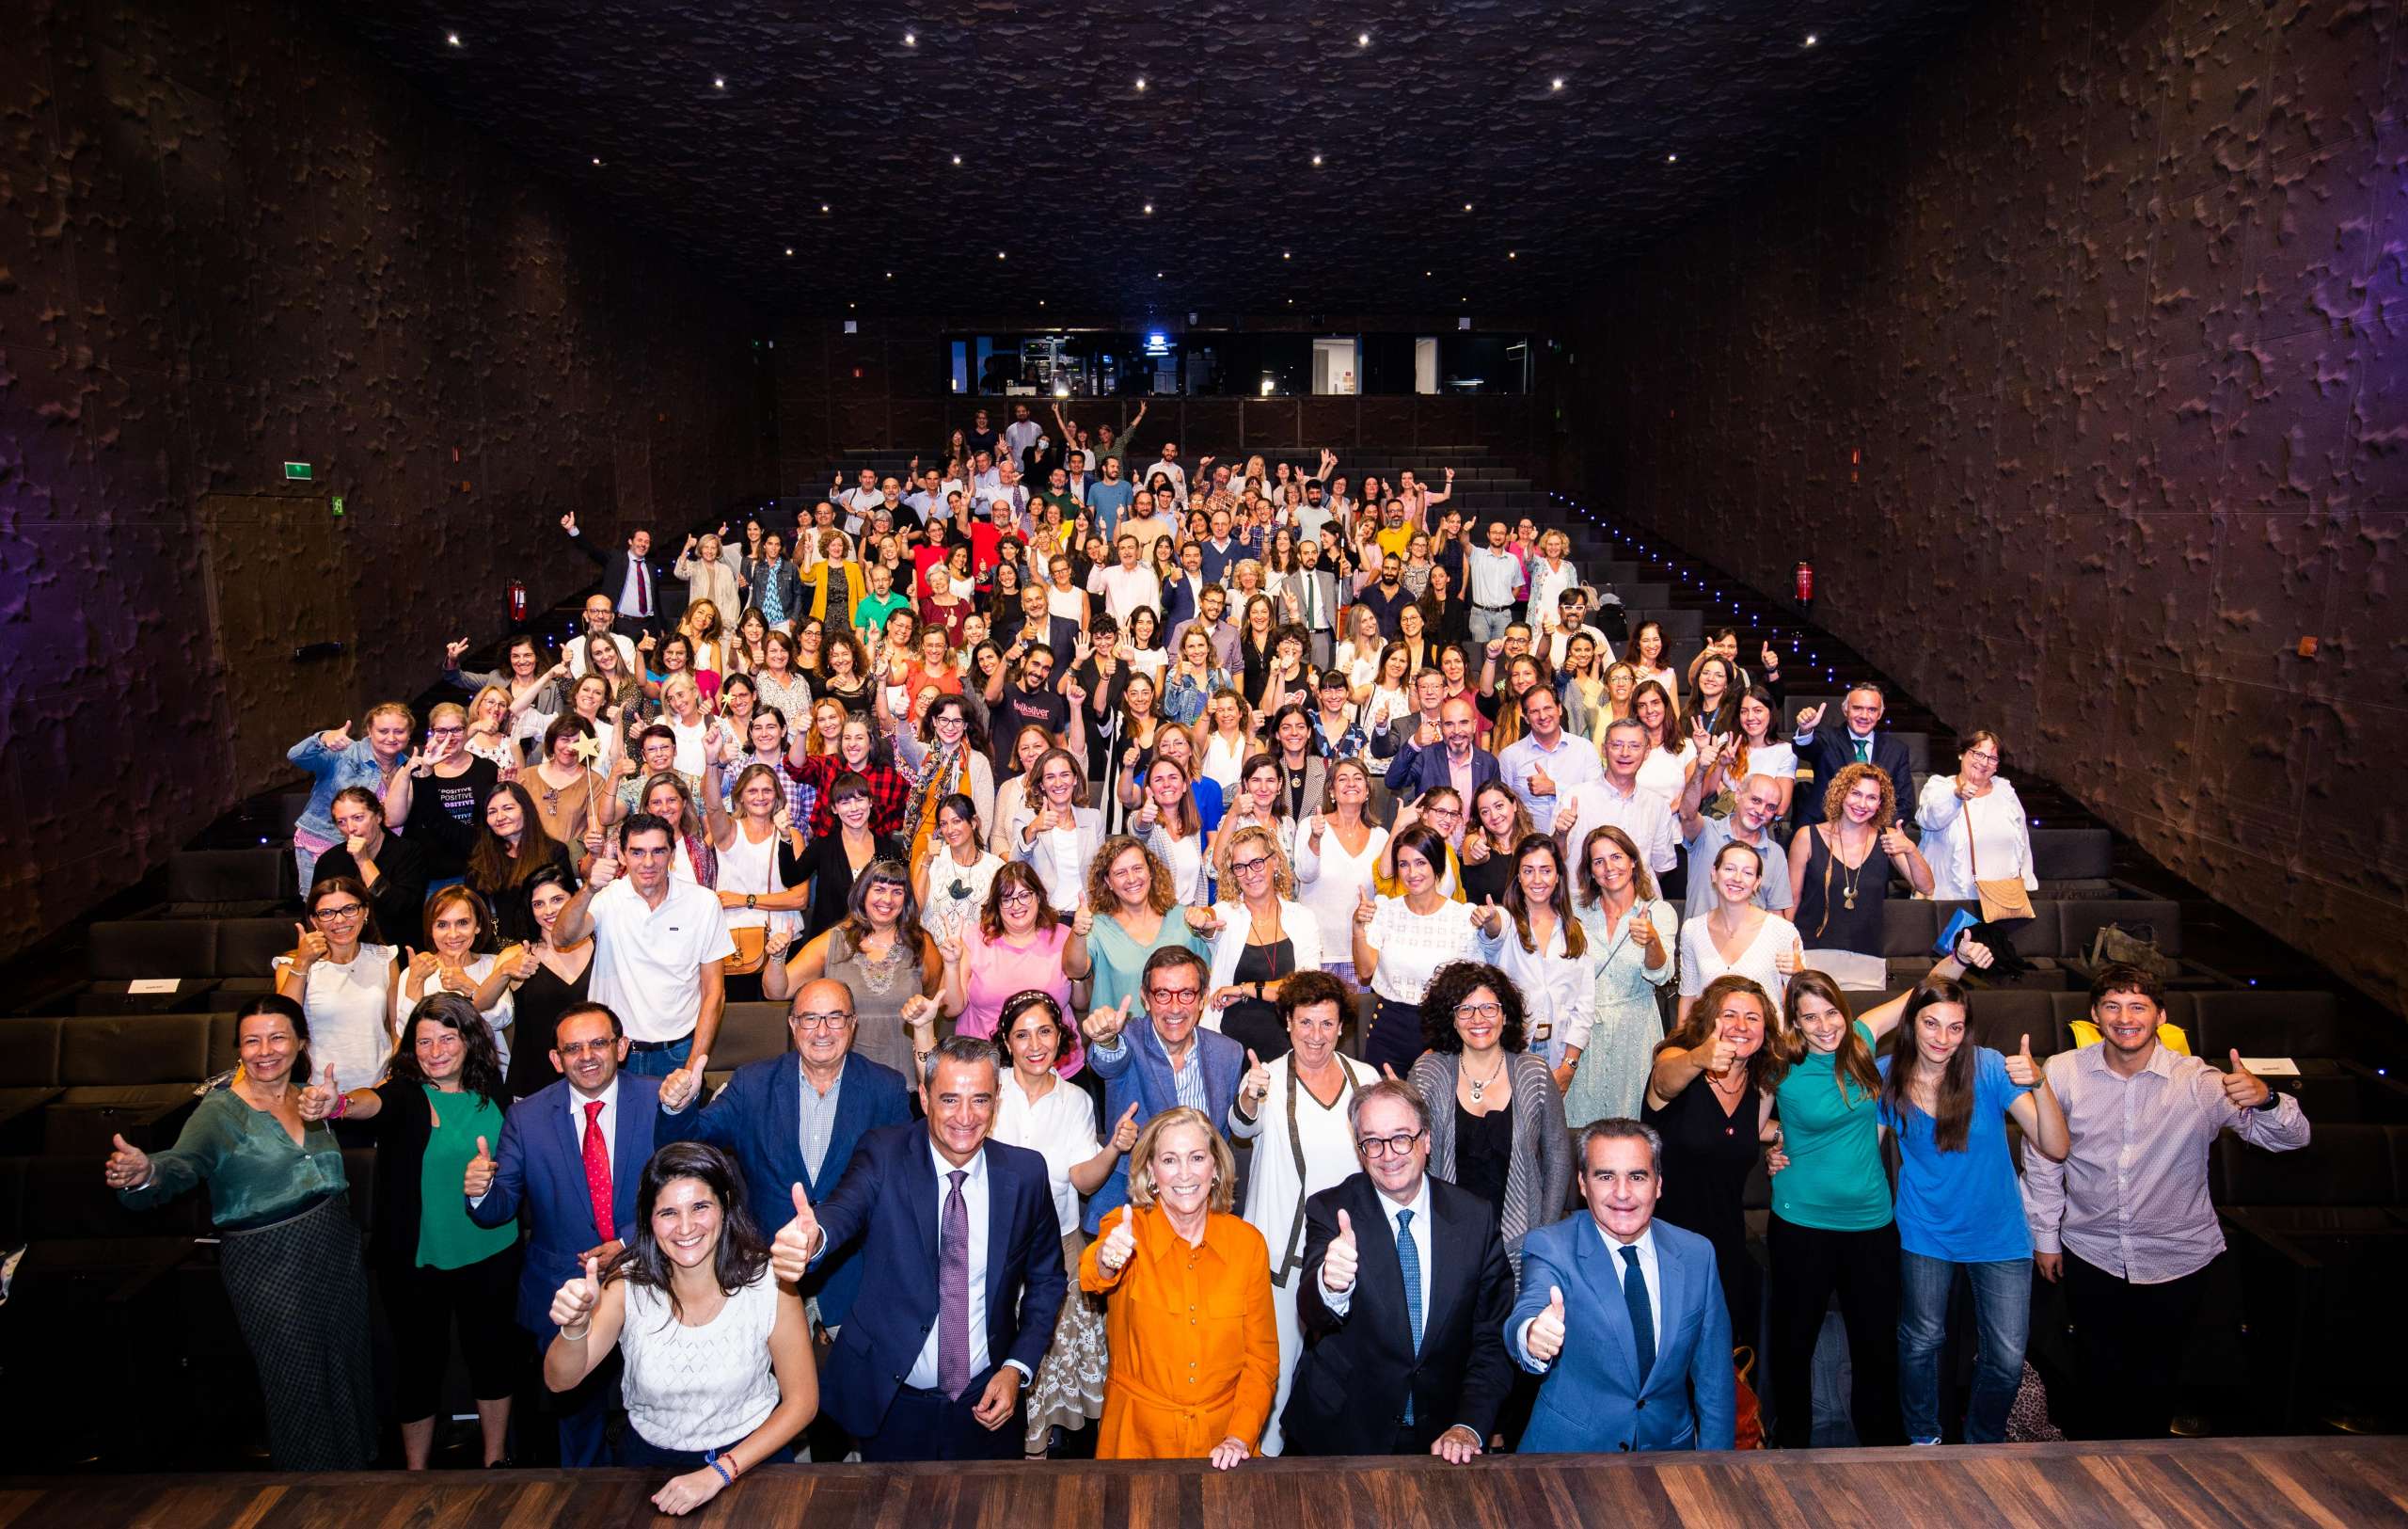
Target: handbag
751 951
1748 1413
2002 897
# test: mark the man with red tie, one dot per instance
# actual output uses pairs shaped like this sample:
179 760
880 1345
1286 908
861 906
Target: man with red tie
639 584
570 1156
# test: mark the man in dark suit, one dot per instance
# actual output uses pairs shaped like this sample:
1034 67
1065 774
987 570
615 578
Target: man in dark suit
960 1235
764 1119
1165 1060
571 1153
644 588
1183 594
1454 760
1827 750
1402 1302
1623 1315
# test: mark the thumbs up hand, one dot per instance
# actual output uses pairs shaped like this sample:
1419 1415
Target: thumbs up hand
1121 1244
1124 1135
679 1088
1083 919
1894 840
1490 918
1365 908
2245 1089
573 1306
128 1166
309 946
1540 783
317 1101
1339 1261
1257 1083
1545 1338
2020 1069
1102 1024
791 1250
479 1178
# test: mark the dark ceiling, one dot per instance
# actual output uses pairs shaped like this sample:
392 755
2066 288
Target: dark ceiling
827 105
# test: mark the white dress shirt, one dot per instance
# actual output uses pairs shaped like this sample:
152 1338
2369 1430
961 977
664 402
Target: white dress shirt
1640 813
974 1204
1572 762
1342 1301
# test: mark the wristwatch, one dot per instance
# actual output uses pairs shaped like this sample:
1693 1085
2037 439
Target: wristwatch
749 900
2271 1101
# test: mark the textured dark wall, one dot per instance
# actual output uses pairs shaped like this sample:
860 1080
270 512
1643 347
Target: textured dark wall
2082 379
226 240
883 387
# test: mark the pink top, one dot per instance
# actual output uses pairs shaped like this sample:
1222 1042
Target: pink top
996 970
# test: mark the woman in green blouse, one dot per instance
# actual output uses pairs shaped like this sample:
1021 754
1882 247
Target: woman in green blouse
440 1106
288 1251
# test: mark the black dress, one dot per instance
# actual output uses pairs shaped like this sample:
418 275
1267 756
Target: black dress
1489 878
832 877
1708 1154
1253 1022
537 1006
1484 1151
512 920
1827 916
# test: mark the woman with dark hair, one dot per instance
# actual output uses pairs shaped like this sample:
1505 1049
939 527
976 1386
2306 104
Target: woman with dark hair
1499 822
1839 876
568 794
1260 801
510 848
951 877
286 1246
1056 833
1712 1130
825 867
1947 1100
1169 825
1669 759
1648 660
1034 1110
1496 1120
1631 934
950 760
843 669
1401 943
1016 794
442 1108
858 751
885 959
342 976
669 797
335 759
556 984
457 959
781 681
1017 944
1754 750
719 1371
1714 703
1541 947
1831 1231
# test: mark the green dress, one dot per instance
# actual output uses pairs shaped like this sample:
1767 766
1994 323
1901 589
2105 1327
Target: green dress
1120 961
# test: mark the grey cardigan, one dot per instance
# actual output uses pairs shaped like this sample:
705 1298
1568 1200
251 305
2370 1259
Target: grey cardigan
1540 1175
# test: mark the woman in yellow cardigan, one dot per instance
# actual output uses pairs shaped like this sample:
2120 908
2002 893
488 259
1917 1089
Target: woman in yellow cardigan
834 567
1194 1347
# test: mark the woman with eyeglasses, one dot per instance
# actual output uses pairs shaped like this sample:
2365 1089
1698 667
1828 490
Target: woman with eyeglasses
342 976
1402 943
1261 938
438 796
1975 827
1496 1120
442 1108
287 1248
884 958
1017 942
1035 1110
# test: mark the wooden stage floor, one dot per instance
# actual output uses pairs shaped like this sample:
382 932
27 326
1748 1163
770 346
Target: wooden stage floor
2337 1483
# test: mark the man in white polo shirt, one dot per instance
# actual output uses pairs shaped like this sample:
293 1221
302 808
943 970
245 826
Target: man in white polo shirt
659 943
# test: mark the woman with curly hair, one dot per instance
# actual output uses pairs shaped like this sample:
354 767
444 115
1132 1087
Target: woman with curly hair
1131 909
1496 1120
1839 876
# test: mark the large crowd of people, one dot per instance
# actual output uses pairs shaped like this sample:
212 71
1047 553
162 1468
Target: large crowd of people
1272 965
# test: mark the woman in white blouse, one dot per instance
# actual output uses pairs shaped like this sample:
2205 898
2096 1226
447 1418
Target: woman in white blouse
1056 831
2000 842
1535 940
1034 1110
1400 944
344 981
1337 855
1669 759
1169 825
1262 938
951 883
457 921
1737 937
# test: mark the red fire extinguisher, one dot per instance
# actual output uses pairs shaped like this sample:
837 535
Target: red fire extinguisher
518 598
1805 583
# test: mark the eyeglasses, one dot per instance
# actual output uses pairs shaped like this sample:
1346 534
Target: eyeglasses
1386 1146
834 1019
587 1048
1247 868
349 910
1172 997
1479 1011
1016 894
1984 759
446 732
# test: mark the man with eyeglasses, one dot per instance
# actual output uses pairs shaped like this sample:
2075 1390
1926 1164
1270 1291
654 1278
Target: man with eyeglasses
570 1158
796 1118
1402 1297
1167 1061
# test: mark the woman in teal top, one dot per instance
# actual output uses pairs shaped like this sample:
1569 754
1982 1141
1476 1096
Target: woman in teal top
287 1246
1130 911
1831 1227
441 1106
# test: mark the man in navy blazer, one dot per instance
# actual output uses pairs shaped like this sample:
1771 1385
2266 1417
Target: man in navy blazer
1829 750
1623 1315
644 587
541 1175
1148 1065
759 1117
1416 769
958 1233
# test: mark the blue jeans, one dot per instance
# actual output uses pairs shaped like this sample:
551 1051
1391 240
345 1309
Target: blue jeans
2001 1320
659 1061
1487 626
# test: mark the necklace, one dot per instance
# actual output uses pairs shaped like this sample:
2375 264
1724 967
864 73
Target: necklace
1849 882
1481 1085
880 972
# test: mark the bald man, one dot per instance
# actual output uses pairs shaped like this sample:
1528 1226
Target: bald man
795 1119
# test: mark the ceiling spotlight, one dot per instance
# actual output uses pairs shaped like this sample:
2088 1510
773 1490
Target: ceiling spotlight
999 254
453 37
823 206
719 82
1426 273
1362 40
598 159
1467 207
1158 275
1141 82
1810 40
1316 159
852 305
1555 84
889 276
1149 209
789 249
911 39
1513 254
956 159
1287 254
1669 159
1040 302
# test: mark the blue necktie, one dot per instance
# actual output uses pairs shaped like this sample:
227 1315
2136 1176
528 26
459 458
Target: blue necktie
1642 1315
1408 1257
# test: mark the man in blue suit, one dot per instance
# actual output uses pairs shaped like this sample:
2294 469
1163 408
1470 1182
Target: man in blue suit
1827 751
822 1095
1623 1316
958 1233
571 1153
1456 759
1166 1061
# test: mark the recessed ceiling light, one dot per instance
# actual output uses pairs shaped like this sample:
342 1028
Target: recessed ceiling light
1316 159
1149 209
1040 302
1141 82
789 249
889 276
598 159
1425 272
1810 40
911 39
956 159
999 254
1467 207
852 305
1287 254
1513 254
453 37
1555 84
1362 40
719 82
823 206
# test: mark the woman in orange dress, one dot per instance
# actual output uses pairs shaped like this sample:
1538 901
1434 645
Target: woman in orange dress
1194 1347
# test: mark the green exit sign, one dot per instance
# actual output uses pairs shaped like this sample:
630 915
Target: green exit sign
296 472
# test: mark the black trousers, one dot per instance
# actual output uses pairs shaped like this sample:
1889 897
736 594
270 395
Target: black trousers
1808 1266
928 1425
423 1303
2128 1344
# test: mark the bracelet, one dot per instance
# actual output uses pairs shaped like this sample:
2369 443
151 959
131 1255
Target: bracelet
343 1105
713 1459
